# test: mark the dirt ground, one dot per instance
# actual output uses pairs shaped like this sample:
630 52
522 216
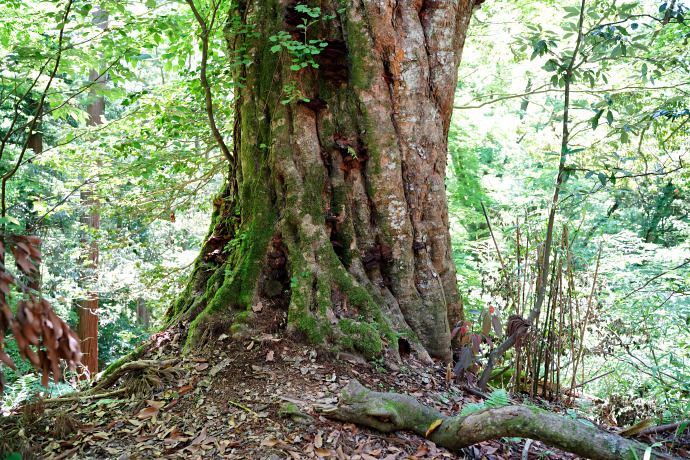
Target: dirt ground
250 399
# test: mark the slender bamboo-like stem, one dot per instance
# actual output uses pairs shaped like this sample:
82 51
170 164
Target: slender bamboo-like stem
585 322
541 291
570 289
498 252
518 259
561 317
526 264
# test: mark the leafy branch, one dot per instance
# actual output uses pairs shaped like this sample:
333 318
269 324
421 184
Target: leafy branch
204 36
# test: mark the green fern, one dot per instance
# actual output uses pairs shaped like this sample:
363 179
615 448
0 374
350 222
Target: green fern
498 398
472 408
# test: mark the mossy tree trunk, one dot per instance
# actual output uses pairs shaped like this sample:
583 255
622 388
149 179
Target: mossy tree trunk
337 207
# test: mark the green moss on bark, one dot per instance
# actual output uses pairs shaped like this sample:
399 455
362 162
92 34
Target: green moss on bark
361 337
134 354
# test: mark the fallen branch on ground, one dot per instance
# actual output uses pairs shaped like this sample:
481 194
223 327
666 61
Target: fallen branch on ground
391 411
669 427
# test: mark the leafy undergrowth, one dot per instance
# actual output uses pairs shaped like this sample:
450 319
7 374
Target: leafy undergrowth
247 400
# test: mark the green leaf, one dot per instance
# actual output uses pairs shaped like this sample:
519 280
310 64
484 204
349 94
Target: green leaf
275 48
9 220
602 178
595 120
150 3
609 118
295 67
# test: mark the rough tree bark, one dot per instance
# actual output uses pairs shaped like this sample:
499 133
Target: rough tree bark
391 411
143 313
336 209
87 308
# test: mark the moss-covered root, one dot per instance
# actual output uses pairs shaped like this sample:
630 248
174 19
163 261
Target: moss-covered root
390 411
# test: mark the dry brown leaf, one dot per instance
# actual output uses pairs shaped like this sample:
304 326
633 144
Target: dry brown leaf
202 436
340 454
423 450
490 450
147 412
67 454
184 389
156 404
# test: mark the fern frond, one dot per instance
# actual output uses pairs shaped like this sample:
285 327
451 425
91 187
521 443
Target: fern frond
498 398
472 408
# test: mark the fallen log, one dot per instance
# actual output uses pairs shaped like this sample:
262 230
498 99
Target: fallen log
391 411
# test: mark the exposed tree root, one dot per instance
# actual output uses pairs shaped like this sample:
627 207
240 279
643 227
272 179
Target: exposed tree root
144 365
390 411
140 377
82 395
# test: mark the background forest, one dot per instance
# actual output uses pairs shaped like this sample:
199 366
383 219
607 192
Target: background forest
121 197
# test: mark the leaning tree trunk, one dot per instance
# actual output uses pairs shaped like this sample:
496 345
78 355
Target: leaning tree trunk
337 206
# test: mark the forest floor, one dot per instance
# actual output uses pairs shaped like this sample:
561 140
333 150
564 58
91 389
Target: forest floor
250 399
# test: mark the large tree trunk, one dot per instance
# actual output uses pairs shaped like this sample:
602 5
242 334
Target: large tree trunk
87 308
337 207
